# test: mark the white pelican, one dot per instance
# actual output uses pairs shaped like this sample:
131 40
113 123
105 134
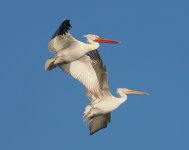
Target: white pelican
98 113
70 56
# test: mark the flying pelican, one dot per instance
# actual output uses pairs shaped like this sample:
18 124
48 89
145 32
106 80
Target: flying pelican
70 56
98 113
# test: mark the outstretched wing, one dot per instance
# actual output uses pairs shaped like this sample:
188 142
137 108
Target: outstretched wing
82 70
62 39
105 88
101 74
99 122
97 64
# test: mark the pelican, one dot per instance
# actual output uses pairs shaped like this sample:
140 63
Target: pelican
70 56
98 114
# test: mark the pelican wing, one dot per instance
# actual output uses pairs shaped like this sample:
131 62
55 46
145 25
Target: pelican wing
101 74
62 39
99 122
97 64
82 70
105 87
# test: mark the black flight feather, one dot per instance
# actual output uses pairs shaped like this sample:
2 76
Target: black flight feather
63 29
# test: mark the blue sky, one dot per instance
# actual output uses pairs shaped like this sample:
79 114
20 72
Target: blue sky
43 110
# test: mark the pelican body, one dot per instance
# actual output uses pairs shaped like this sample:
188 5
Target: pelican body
98 113
108 103
74 51
68 49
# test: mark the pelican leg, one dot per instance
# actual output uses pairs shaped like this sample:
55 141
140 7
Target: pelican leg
49 65
91 112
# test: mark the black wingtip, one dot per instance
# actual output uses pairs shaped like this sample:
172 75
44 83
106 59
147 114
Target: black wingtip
63 28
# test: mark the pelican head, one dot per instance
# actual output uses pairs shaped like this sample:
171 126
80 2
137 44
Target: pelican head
131 92
95 38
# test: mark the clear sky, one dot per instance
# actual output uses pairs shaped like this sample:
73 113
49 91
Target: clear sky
43 110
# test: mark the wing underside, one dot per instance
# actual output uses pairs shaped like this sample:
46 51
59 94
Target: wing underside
82 70
101 74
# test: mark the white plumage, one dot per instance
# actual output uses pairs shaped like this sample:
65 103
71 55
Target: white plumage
83 62
98 113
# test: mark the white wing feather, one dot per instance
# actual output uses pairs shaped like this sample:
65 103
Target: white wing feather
62 42
82 70
101 73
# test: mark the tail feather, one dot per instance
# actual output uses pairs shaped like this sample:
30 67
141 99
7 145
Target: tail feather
99 122
95 122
